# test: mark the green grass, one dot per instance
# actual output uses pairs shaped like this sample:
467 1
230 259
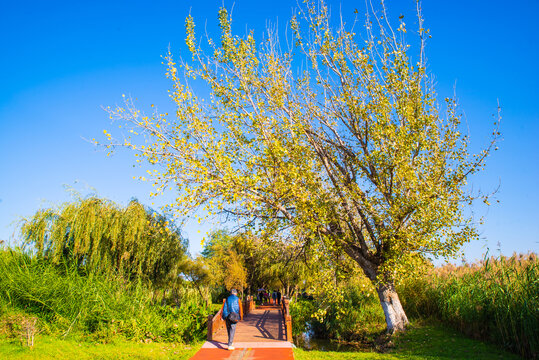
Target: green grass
48 348
422 341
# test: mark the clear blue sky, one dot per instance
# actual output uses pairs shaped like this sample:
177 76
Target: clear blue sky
61 61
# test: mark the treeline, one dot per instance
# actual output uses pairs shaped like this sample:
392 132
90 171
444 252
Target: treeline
249 262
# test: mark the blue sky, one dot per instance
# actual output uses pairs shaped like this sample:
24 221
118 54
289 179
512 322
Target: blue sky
62 61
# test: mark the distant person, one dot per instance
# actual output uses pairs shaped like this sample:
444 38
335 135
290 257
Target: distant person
274 297
278 297
261 293
231 315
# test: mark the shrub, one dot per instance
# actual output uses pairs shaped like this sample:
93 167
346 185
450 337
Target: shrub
353 315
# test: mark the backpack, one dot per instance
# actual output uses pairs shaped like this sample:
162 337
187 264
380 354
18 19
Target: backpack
233 317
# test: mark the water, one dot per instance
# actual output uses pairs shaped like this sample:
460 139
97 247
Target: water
307 341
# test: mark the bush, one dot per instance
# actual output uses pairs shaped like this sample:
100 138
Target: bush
353 316
301 312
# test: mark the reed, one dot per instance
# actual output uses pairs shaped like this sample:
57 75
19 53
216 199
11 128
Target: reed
99 305
496 299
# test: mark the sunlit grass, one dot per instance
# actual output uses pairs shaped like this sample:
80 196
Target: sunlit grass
47 347
421 341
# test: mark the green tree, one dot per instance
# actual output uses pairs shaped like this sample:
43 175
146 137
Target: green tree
98 235
218 243
225 265
198 275
275 263
235 273
266 262
337 140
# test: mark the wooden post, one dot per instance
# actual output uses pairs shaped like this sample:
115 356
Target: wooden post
289 328
209 337
240 303
249 305
287 318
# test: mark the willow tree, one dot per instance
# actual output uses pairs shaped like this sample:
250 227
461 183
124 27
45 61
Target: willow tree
224 262
257 262
274 263
98 235
337 138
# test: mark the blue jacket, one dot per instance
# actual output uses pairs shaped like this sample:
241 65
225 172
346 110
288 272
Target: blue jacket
234 303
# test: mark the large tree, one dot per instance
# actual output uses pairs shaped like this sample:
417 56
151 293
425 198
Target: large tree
334 137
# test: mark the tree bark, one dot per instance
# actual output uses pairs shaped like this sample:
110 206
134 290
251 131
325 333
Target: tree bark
176 296
164 299
396 319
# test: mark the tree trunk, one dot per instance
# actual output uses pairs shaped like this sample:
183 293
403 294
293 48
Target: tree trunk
176 296
396 319
164 299
389 299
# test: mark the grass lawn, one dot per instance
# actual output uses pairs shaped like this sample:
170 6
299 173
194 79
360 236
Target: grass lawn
47 347
422 341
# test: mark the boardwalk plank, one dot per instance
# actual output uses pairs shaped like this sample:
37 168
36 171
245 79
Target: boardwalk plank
260 336
265 323
245 354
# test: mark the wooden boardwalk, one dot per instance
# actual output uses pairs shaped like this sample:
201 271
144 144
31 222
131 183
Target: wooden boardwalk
261 335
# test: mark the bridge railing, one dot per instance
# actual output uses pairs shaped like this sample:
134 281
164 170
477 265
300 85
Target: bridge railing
287 318
215 322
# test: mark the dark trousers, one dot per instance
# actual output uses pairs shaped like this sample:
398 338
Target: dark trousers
231 330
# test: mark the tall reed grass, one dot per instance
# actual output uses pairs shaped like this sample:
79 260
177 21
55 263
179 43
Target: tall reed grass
103 306
496 300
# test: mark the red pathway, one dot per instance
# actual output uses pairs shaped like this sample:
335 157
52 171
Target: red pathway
260 336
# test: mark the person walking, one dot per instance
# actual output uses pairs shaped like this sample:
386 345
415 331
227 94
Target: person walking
231 315
279 296
274 297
